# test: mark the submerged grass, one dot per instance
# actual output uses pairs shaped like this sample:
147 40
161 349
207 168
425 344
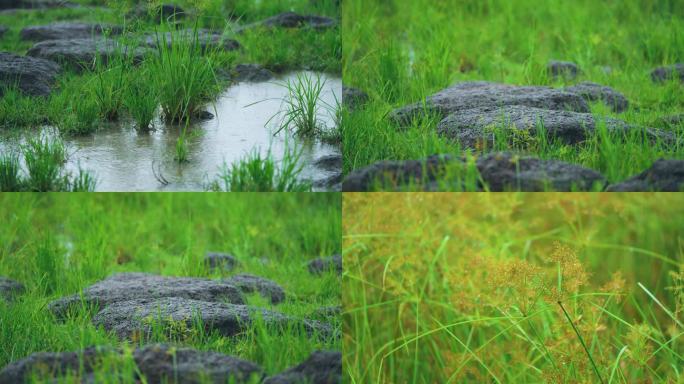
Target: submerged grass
44 158
58 245
460 288
509 42
257 172
302 106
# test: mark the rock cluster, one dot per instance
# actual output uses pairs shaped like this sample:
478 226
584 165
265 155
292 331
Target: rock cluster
505 172
166 363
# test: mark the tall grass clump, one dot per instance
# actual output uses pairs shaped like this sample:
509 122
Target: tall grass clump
9 173
108 83
513 287
303 105
141 100
45 158
262 173
71 111
182 74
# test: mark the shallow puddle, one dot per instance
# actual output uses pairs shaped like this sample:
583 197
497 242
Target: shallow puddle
122 159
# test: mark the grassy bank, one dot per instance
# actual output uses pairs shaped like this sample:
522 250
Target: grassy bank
58 244
400 53
513 288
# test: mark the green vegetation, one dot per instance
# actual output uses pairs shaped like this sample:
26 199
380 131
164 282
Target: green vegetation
44 158
400 53
513 288
58 244
183 75
262 173
303 106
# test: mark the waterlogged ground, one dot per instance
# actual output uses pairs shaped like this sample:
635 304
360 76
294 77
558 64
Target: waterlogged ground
122 159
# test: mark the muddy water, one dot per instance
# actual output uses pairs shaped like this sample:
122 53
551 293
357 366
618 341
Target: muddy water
122 159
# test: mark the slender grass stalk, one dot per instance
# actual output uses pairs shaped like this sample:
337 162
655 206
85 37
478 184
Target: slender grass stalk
581 340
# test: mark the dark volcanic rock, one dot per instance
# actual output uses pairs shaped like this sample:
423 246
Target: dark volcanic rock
223 261
135 318
329 162
327 312
157 362
499 171
161 363
158 13
62 31
32 76
10 288
353 98
663 176
596 92
80 54
662 74
564 69
480 94
672 120
322 367
389 174
35 4
324 264
474 127
251 73
206 39
331 183
292 20
129 286
266 288
509 172
51 364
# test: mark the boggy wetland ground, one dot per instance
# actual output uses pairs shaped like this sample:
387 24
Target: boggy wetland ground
187 95
513 287
177 288
513 95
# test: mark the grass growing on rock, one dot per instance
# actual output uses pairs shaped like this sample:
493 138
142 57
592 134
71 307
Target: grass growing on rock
57 245
503 288
400 53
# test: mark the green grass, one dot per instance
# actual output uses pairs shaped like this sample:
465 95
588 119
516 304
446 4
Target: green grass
400 53
256 172
140 101
183 75
57 245
182 147
303 106
513 288
44 159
